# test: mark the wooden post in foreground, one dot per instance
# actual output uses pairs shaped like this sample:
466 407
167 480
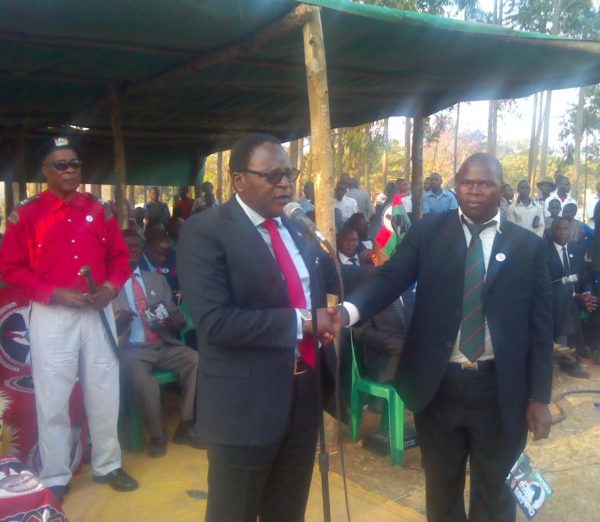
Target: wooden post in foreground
220 176
120 169
417 165
320 125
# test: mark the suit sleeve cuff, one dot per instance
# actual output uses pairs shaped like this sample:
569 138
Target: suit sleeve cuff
353 313
299 331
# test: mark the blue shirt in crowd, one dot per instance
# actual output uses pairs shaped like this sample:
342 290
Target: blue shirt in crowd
439 203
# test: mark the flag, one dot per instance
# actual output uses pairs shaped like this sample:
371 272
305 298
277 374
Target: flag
394 227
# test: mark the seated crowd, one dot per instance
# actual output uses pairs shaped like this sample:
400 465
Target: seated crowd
151 320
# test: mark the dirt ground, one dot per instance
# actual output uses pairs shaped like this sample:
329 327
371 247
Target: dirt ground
569 459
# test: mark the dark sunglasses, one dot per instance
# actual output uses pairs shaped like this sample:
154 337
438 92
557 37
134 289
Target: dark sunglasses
63 165
275 176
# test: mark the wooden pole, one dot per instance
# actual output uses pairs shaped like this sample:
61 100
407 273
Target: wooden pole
294 161
578 136
131 194
407 147
220 176
532 140
456 125
320 124
9 198
417 164
120 168
386 145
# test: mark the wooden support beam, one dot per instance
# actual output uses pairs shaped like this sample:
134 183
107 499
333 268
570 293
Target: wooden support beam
320 124
220 176
417 165
9 198
293 20
120 168
278 28
85 43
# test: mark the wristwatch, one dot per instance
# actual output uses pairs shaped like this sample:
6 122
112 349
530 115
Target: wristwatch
306 317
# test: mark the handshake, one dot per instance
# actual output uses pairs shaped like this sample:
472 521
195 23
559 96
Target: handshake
329 323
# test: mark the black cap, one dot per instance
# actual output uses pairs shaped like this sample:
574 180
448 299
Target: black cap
57 143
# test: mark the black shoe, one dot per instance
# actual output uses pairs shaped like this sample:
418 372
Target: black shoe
60 492
576 371
157 447
118 480
183 435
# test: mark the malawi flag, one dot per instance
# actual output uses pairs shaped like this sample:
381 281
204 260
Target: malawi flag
395 225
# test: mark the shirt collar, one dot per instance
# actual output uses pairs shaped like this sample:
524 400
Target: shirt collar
54 202
428 193
137 272
519 203
256 219
344 258
560 247
496 218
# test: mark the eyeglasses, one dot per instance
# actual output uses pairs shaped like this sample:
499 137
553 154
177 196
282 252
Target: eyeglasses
62 165
275 176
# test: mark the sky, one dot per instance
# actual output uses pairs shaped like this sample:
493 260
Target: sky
514 125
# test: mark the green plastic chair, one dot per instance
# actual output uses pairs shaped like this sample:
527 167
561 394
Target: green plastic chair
135 419
392 417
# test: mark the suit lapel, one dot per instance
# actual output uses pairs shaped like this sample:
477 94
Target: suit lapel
453 237
151 296
501 250
250 241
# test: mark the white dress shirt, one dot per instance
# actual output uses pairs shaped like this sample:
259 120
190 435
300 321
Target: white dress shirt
257 220
347 206
137 335
554 195
345 260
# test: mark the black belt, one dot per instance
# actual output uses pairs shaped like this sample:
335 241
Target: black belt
475 366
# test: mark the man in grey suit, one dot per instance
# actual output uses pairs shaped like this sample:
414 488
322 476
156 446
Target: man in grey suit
147 343
362 197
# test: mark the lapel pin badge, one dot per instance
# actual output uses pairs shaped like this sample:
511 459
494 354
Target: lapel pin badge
89 218
500 257
152 292
570 255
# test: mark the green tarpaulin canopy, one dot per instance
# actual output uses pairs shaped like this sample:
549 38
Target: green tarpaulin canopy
192 81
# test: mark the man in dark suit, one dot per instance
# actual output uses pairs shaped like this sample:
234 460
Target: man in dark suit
249 278
570 291
477 363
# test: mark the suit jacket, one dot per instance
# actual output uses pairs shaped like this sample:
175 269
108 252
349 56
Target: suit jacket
576 263
157 290
564 308
246 326
168 270
385 332
517 306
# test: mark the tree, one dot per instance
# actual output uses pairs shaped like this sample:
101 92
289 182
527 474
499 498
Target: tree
583 121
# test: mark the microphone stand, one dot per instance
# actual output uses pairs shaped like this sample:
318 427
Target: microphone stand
323 455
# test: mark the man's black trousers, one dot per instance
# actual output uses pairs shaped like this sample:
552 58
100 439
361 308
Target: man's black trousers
269 482
463 421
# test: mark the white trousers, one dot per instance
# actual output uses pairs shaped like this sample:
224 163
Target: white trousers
67 343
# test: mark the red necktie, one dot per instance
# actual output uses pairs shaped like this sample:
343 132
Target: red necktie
293 282
141 303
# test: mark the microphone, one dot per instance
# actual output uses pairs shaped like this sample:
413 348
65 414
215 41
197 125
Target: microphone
294 211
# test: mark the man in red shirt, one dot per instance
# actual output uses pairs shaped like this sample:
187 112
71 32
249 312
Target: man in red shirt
49 238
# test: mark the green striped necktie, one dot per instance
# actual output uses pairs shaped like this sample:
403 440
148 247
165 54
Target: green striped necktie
472 326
